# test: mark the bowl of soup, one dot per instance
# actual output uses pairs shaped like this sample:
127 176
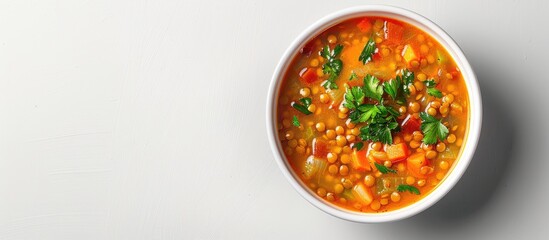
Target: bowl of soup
373 113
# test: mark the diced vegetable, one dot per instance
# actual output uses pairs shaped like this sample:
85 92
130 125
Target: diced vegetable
450 152
377 56
337 96
415 162
308 76
360 161
308 48
379 156
396 152
320 148
314 168
386 185
363 194
364 25
441 58
393 32
408 53
348 194
410 124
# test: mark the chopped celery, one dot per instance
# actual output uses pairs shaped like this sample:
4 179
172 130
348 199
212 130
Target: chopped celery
393 182
450 152
314 168
441 58
308 134
348 194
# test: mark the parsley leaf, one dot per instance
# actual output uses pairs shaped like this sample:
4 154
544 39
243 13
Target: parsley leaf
407 78
372 88
354 97
379 131
303 106
430 83
392 87
368 51
434 92
358 146
353 76
295 121
384 169
333 65
432 129
431 90
412 189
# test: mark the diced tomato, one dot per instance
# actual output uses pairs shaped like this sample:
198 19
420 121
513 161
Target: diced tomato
360 161
397 152
410 124
454 72
393 32
320 148
363 194
308 48
415 162
377 56
364 25
308 75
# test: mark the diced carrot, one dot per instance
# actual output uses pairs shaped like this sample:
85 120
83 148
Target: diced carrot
393 32
363 194
360 161
320 148
397 152
415 162
410 124
308 75
364 25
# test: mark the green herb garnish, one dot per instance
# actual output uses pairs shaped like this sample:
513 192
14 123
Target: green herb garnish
295 121
303 106
412 189
431 90
384 169
434 92
372 89
353 76
333 65
407 78
397 88
368 51
358 146
432 128
381 120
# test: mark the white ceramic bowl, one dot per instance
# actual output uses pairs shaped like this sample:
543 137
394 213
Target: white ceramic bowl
475 113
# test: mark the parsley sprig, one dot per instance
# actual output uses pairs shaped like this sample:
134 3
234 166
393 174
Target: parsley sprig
295 121
368 51
432 128
333 65
398 88
409 188
431 90
303 105
381 120
383 169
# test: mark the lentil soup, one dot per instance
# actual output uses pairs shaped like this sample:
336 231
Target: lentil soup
372 114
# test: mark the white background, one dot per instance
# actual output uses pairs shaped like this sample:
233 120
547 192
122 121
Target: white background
145 120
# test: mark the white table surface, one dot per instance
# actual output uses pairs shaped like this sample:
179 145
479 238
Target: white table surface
145 120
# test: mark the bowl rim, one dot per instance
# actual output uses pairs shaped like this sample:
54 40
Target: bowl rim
475 111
